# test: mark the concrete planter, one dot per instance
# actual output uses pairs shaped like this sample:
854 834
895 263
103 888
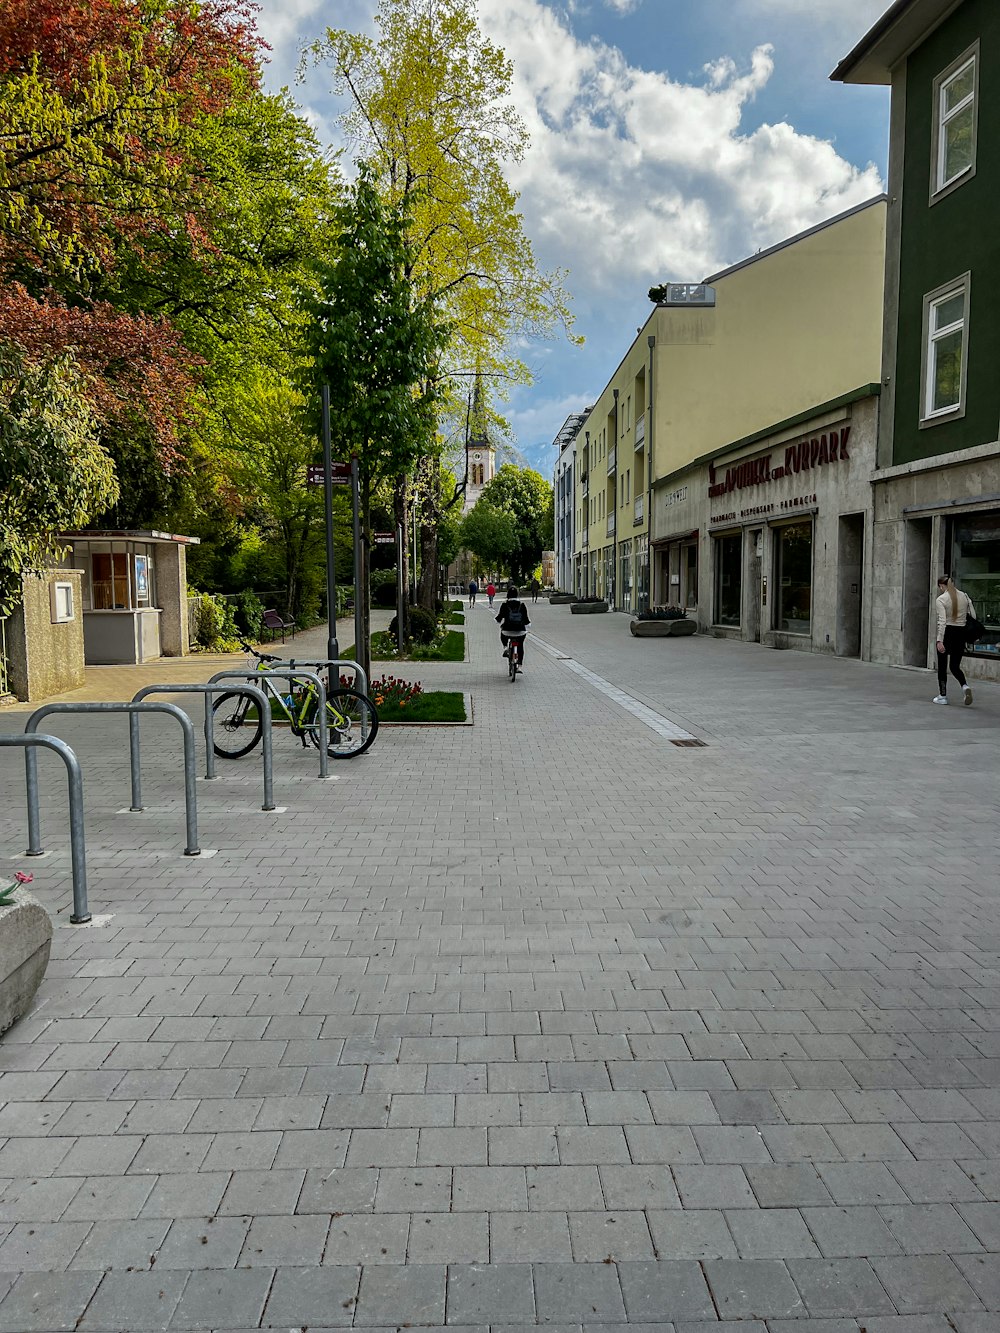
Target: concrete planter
588 608
561 599
663 629
25 939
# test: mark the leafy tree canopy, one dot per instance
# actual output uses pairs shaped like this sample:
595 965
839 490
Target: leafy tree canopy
53 472
526 498
430 111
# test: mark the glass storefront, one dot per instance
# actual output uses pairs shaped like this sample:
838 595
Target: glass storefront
625 587
728 579
975 562
641 574
793 567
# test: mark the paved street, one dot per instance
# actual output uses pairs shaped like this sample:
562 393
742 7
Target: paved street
544 1021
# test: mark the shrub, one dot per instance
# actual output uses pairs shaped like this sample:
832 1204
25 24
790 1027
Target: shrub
663 613
249 611
216 625
386 595
423 626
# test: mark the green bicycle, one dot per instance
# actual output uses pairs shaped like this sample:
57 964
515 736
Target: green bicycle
351 719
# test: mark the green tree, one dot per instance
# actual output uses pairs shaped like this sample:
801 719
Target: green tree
490 534
376 345
53 472
526 498
429 108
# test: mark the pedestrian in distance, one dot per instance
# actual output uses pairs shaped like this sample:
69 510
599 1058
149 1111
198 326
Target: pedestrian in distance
491 592
473 589
535 588
954 607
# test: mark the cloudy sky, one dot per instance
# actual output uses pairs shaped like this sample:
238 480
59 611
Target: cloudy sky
668 139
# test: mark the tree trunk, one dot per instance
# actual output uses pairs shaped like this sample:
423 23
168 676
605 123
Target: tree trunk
400 512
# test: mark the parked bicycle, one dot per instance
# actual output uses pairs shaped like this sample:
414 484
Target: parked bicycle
351 719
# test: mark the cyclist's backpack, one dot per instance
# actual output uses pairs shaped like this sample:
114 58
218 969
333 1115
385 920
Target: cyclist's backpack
515 616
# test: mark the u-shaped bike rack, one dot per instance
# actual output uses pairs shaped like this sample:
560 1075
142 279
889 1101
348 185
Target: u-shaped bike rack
253 691
78 854
190 795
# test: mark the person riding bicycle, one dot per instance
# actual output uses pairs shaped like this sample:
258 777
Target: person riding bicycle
513 621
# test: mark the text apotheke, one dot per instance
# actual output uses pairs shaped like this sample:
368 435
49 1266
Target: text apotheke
803 455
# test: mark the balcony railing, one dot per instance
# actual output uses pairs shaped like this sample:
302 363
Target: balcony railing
640 508
611 523
640 431
612 458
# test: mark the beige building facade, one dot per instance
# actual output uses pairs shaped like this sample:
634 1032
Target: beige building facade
683 492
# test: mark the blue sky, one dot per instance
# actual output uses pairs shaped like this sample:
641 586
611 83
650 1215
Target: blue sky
670 138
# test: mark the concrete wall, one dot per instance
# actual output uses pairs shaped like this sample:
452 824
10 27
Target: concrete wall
45 658
171 593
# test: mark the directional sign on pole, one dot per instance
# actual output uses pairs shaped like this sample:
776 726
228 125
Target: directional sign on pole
383 538
340 474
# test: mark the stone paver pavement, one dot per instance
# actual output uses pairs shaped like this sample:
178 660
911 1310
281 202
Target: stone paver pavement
543 1022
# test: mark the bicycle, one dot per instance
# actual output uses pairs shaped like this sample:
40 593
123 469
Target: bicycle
514 654
351 718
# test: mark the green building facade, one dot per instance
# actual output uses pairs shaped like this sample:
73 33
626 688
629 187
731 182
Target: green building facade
937 484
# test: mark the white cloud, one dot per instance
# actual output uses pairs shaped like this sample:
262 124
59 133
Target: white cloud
635 175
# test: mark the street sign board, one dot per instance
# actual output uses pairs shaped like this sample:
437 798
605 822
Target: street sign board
340 474
384 538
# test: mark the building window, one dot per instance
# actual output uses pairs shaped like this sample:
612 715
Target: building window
642 573
61 603
625 583
728 579
945 350
975 559
793 561
955 123
689 562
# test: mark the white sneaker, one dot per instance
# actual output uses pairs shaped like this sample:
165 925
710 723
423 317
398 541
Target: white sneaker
968 694
940 699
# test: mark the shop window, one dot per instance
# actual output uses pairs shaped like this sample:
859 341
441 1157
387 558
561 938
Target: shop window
945 350
625 576
955 116
642 573
728 579
109 581
793 562
690 560
975 547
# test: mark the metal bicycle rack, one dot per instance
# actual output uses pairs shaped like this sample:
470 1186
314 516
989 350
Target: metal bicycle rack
291 676
253 691
190 794
29 743
329 664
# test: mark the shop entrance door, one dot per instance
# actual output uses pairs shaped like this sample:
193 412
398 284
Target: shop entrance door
755 592
850 573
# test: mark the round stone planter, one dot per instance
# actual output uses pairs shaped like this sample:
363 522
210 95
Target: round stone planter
25 939
663 629
588 608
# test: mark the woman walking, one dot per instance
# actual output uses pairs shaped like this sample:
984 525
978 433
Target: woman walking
953 608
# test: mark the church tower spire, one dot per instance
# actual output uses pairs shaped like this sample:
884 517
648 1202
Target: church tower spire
480 452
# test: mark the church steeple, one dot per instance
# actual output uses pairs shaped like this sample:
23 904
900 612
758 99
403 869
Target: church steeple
480 451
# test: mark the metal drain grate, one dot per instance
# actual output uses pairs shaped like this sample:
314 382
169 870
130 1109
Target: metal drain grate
690 745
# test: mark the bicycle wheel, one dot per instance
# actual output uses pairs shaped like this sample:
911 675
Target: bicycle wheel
512 661
351 722
237 725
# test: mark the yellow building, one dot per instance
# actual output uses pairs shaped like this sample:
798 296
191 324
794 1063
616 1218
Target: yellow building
759 347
